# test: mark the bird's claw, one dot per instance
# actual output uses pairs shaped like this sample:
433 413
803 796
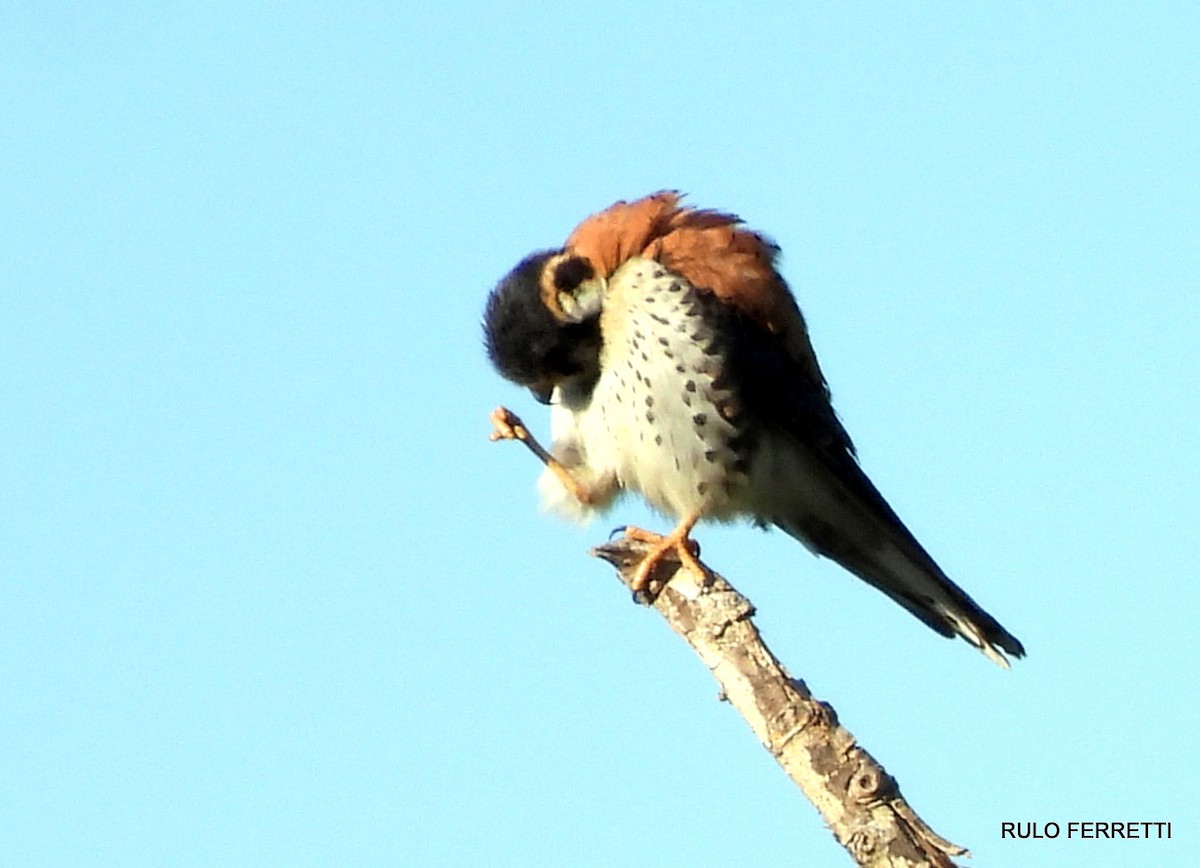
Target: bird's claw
645 584
507 426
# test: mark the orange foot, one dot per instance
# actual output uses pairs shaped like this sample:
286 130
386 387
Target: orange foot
685 548
507 426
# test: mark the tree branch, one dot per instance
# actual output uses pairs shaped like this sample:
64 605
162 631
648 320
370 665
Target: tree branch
859 801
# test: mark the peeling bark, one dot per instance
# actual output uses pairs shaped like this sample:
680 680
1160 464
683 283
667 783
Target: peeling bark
859 801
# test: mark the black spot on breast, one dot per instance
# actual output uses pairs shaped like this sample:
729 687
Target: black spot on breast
650 416
649 400
710 455
701 488
664 342
700 420
658 440
690 385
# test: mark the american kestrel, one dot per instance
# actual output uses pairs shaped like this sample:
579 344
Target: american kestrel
677 365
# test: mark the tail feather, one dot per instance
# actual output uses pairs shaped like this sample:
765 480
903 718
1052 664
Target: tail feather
839 514
926 592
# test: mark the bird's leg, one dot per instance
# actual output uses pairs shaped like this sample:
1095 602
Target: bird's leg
507 426
684 546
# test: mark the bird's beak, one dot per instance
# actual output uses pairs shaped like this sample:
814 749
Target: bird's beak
542 391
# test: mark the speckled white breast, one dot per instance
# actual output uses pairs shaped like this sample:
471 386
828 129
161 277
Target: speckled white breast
661 418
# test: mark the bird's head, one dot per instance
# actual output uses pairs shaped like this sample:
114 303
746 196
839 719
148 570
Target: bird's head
542 322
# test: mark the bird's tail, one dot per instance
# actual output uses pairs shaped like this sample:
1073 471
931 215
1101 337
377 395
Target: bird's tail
844 517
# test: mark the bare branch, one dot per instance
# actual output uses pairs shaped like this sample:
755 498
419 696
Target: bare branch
859 801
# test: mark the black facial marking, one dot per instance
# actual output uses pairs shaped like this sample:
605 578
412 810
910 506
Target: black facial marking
569 273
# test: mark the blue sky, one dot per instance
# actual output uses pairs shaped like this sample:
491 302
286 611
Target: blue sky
271 597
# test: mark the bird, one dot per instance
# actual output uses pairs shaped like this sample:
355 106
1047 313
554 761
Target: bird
677 365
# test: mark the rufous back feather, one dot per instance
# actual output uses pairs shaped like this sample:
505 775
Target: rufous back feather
711 249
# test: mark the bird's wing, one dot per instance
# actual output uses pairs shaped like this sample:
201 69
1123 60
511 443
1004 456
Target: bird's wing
826 500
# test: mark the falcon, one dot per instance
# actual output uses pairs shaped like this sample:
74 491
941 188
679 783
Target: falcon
678 365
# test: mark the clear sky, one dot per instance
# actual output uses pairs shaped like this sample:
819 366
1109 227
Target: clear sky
270 597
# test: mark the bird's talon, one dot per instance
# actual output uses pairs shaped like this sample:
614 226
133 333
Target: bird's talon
506 426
